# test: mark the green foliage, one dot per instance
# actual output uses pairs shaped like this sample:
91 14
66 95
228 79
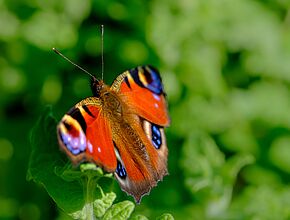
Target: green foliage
231 96
212 178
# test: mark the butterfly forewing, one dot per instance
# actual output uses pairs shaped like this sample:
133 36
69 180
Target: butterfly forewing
142 89
85 135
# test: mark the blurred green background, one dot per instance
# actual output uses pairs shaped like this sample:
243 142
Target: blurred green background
226 69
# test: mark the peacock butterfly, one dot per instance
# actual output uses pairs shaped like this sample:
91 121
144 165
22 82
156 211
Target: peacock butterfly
121 129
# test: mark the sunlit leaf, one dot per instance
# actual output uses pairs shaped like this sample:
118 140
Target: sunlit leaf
139 217
165 217
120 211
101 205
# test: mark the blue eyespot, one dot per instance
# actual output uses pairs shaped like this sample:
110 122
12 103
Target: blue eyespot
152 77
156 136
75 145
154 80
121 171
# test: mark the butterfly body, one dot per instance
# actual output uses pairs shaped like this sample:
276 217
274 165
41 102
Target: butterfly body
121 129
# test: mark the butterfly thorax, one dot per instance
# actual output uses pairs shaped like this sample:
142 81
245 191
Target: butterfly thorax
112 105
117 113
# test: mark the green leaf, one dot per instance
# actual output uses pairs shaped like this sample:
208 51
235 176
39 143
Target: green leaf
262 202
72 189
120 211
96 208
139 217
212 177
234 165
165 216
102 205
208 160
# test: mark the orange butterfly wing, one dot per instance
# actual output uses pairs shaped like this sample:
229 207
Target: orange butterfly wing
85 135
142 89
140 166
144 164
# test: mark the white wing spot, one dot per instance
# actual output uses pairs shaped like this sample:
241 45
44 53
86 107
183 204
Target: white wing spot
90 147
82 141
99 149
156 97
156 105
75 143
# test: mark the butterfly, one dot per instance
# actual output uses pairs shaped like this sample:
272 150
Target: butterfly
120 128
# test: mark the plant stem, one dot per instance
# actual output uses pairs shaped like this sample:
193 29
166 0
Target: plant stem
89 195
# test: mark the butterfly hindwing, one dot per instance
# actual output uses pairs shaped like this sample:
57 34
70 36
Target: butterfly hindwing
85 135
134 161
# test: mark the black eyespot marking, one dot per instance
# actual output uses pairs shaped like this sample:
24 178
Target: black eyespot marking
77 115
148 76
67 126
135 76
88 110
156 136
127 82
60 135
121 171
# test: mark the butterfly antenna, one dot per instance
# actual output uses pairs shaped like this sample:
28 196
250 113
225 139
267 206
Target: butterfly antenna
76 65
102 46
